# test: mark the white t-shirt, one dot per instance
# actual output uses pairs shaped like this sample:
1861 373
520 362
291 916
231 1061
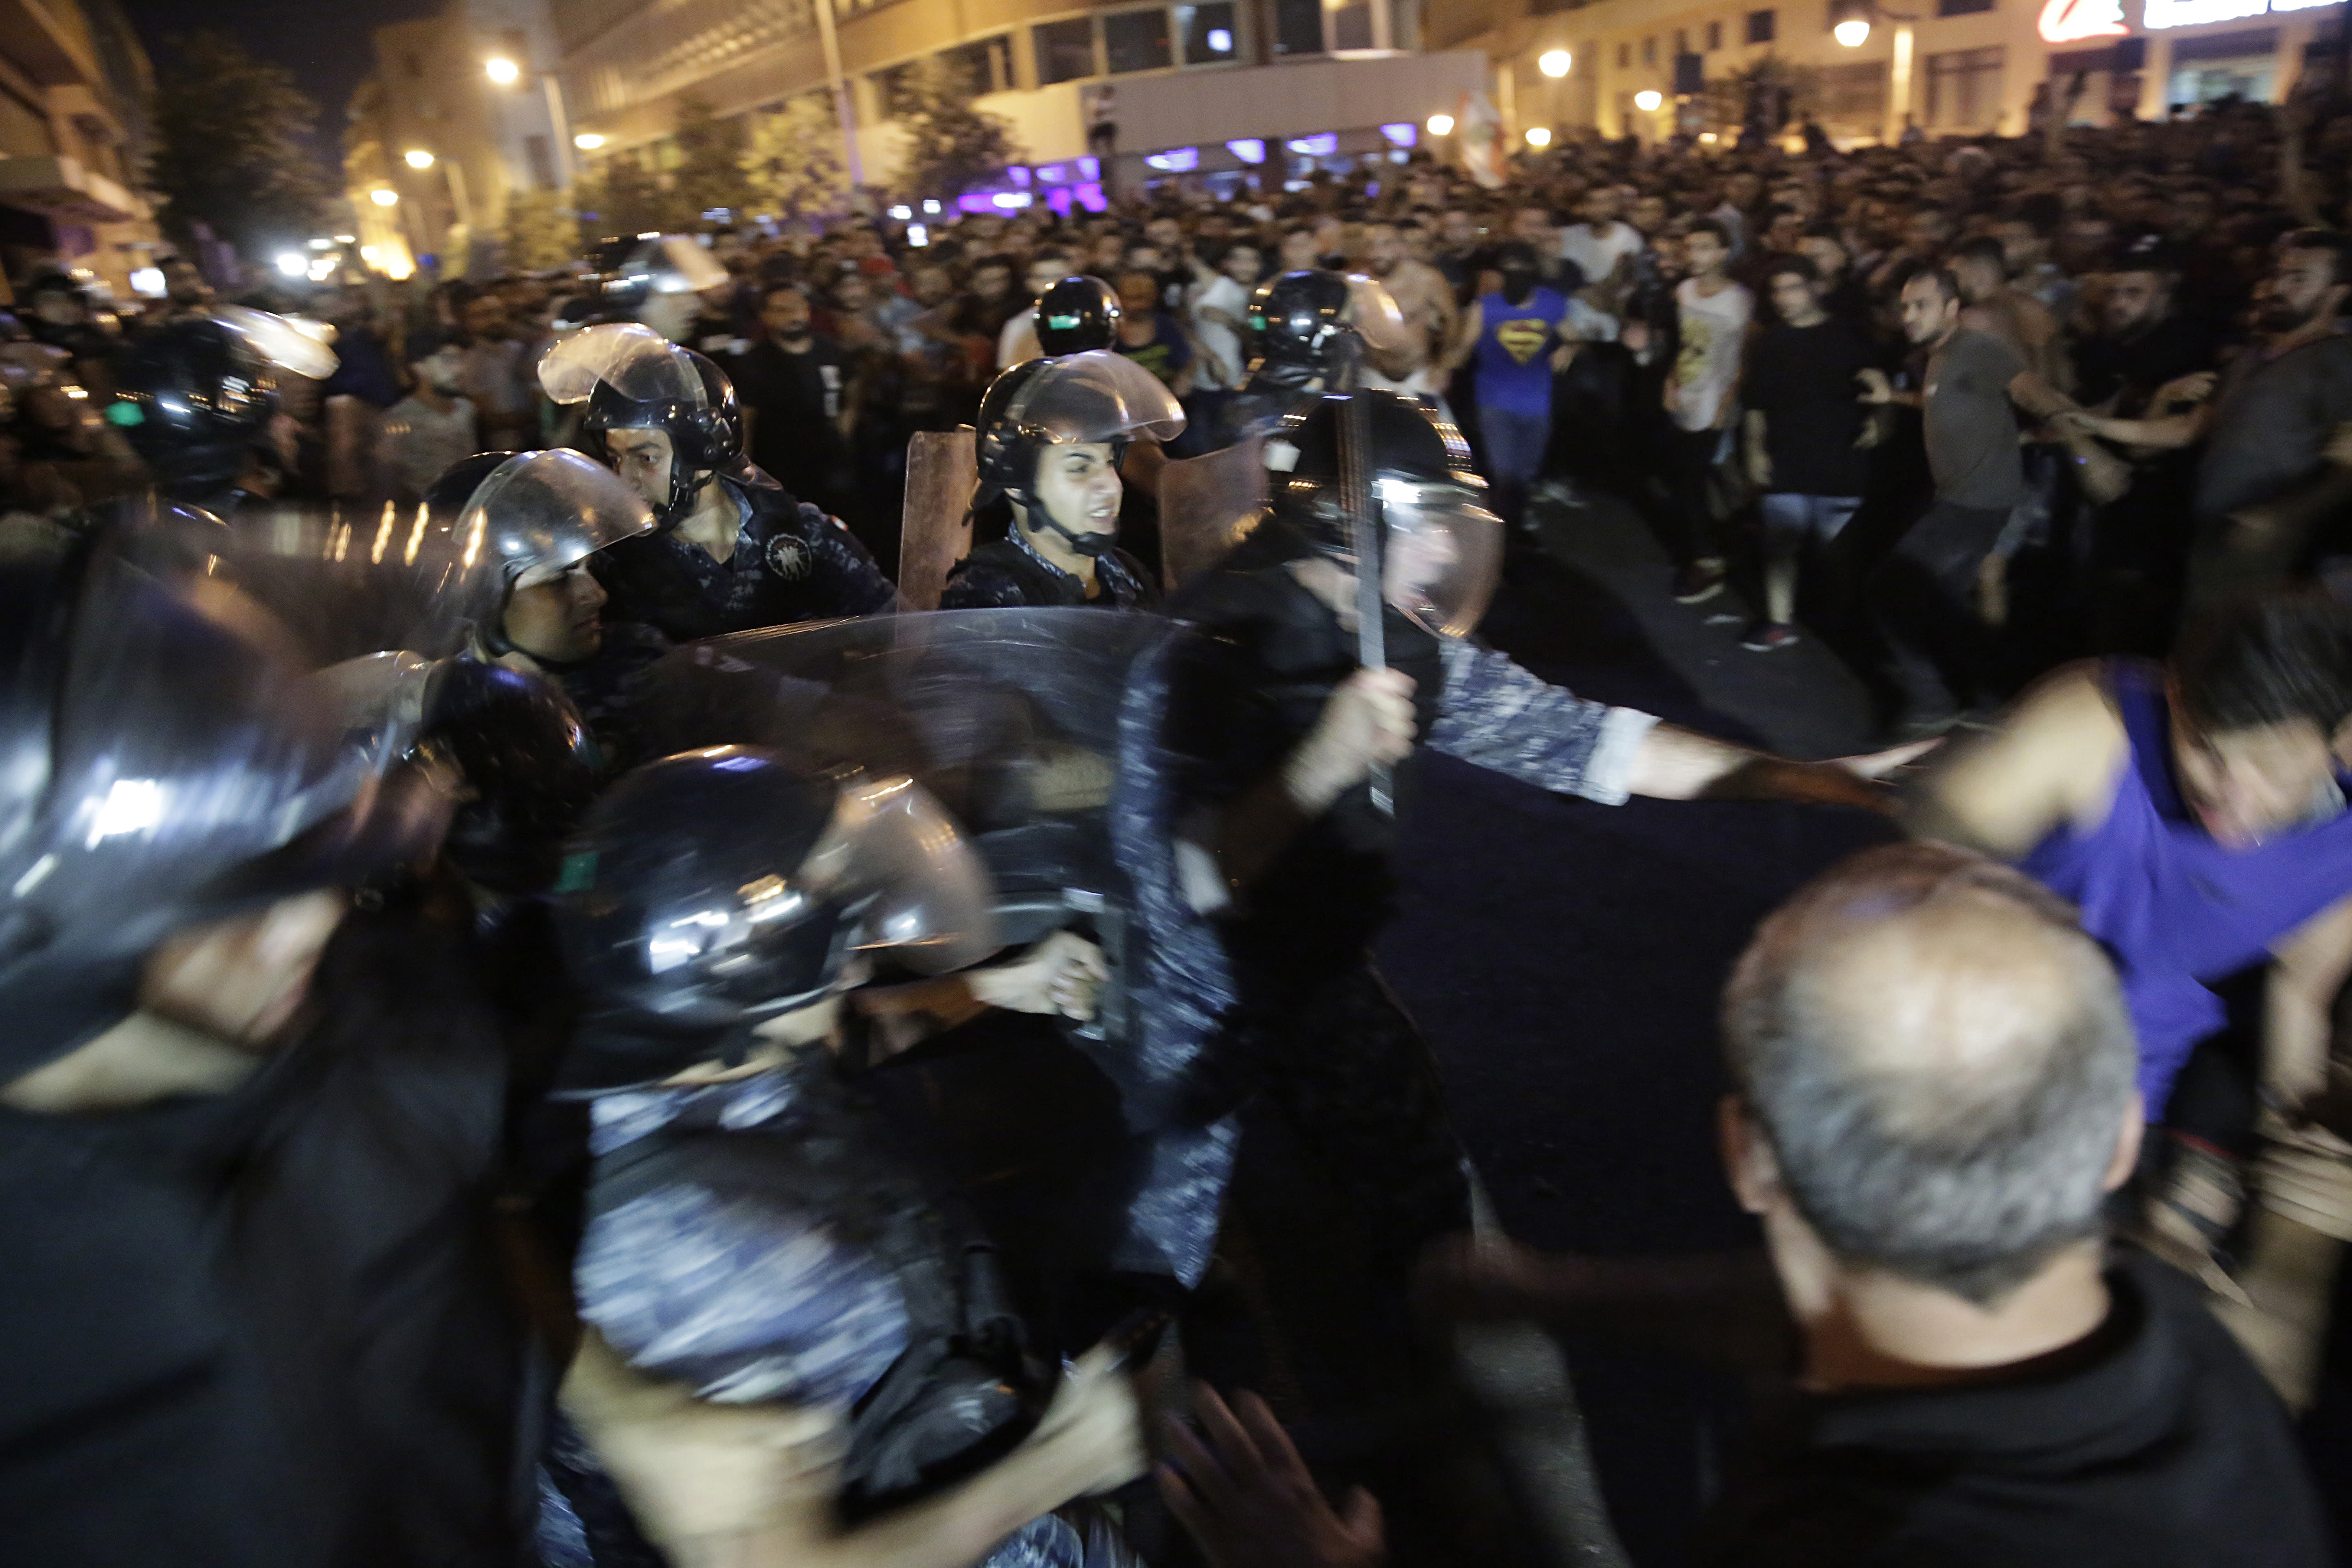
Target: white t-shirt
1708 366
1230 296
1017 343
1596 254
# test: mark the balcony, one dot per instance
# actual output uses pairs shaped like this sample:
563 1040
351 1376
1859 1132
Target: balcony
64 190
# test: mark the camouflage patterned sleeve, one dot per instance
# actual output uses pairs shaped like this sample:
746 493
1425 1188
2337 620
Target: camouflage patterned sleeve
975 584
1496 715
852 582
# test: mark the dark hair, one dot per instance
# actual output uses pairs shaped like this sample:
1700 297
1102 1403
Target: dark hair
1714 227
1945 284
782 286
1963 1163
2042 212
1518 256
1799 265
2268 660
2338 248
1984 248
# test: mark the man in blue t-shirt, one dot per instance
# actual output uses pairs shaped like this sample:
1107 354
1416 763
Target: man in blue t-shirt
1514 340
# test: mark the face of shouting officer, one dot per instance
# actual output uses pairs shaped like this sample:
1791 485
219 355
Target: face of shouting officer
1077 486
553 614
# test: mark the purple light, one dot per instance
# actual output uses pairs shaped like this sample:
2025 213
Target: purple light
1020 175
976 202
1248 149
1090 196
1058 198
1320 145
1053 175
1404 133
1175 161
1221 41
1089 169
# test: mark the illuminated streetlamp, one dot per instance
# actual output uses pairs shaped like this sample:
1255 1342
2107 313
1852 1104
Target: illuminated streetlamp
588 141
1554 63
384 198
1441 125
418 158
502 70
1538 137
1853 32
1648 100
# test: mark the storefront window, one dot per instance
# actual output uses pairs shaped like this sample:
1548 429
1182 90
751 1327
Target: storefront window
1964 88
1208 34
1298 26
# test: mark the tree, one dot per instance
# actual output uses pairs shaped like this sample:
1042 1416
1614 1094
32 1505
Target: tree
622 197
951 146
708 174
540 235
793 160
229 148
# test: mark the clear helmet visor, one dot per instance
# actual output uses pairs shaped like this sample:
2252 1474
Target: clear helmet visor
296 346
1443 555
674 264
924 893
635 362
542 512
1374 312
1095 397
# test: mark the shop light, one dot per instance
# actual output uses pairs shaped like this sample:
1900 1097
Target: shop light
588 141
1248 149
902 213
1221 41
1538 137
1175 161
1404 133
1322 144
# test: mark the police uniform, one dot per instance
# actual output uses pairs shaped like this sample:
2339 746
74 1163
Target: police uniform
1007 572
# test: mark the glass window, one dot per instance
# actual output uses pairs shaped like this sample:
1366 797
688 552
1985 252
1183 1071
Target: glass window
974 66
1682 42
1961 7
1208 34
1298 26
1351 25
1624 57
1136 41
1065 50
1759 27
1964 88
1715 35
1650 51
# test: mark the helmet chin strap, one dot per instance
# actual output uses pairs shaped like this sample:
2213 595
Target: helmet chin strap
1094 546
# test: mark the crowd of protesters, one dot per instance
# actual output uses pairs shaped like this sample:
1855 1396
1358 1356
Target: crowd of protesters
1962 411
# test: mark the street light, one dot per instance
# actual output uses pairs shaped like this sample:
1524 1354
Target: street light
588 141
383 197
1554 63
1853 32
418 158
502 70
1538 137
292 264
1648 100
1441 125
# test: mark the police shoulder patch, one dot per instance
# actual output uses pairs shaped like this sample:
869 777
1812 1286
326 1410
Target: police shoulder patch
788 558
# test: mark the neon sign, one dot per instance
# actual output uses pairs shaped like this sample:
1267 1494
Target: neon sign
2071 21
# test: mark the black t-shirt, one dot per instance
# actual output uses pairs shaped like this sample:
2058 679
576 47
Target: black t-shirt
795 400
2153 1444
1801 379
2131 369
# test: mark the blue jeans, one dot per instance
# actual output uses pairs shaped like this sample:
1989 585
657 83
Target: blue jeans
1514 453
1791 519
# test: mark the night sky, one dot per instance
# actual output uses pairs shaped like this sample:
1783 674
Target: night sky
326 46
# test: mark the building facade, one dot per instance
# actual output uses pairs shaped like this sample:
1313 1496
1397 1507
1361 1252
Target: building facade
1202 88
462 113
1949 67
74 83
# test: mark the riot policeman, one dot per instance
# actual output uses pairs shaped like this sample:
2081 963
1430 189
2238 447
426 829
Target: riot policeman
659 280
250 1106
1077 315
1308 332
751 1241
731 549
197 401
1051 435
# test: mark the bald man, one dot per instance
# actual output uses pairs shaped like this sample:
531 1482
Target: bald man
1933 1075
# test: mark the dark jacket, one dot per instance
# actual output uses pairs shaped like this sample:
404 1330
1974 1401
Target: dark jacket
792 562
1006 573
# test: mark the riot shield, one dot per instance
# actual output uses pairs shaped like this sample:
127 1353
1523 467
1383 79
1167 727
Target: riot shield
1206 504
935 523
344 584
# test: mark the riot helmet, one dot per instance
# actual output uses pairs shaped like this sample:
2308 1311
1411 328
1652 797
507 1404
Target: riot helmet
719 888
537 516
655 279
195 397
1096 397
162 764
1441 550
632 378
530 769
1303 327
1077 315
